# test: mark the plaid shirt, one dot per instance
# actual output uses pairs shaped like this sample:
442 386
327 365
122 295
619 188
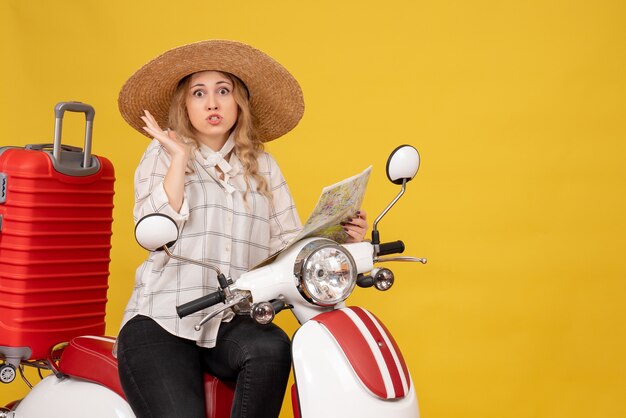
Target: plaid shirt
216 226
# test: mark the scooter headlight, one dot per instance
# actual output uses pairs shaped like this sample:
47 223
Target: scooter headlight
326 272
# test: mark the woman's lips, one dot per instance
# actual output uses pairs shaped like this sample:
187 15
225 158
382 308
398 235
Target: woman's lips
214 119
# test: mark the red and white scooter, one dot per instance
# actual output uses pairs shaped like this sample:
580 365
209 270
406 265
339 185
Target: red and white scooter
345 362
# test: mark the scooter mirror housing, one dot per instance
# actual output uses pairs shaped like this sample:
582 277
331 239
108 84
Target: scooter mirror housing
155 231
402 164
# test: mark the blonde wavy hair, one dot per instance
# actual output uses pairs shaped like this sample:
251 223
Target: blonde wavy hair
247 146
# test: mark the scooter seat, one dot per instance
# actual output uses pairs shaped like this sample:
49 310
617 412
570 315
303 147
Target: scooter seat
91 358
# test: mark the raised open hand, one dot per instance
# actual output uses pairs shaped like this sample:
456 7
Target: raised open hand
174 146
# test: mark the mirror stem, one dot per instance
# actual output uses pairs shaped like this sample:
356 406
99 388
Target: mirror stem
188 260
375 234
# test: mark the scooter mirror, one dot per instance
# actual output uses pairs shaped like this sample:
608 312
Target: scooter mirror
403 164
155 231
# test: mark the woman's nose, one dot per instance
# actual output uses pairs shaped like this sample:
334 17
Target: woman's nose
211 103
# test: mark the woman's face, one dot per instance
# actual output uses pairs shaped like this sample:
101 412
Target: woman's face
211 107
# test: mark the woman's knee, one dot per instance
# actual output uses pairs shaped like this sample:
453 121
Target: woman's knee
267 343
273 345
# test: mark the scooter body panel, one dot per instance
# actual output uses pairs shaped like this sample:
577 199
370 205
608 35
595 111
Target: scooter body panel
328 386
72 398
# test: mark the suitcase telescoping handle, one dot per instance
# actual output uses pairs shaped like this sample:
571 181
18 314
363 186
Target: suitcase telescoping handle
59 111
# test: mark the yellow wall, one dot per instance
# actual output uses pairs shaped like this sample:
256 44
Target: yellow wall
517 108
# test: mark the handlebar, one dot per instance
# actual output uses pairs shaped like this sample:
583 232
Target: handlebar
200 303
395 247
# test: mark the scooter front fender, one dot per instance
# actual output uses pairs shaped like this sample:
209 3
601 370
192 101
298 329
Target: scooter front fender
327 383
72 398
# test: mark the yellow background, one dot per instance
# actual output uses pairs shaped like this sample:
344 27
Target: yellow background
517 108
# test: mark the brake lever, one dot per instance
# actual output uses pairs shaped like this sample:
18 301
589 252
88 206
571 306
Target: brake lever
407 259
213 314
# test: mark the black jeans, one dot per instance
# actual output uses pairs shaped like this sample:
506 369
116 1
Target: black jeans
162 374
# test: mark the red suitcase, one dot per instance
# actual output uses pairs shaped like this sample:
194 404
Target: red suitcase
56 205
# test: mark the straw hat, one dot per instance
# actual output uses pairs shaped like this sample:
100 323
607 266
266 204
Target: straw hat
275 95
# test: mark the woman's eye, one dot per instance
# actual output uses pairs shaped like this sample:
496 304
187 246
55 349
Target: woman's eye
198 93
223 91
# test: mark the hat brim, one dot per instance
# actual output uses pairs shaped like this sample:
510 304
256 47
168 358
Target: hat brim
275 96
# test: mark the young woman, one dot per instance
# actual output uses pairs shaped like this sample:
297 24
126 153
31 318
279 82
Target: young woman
218 101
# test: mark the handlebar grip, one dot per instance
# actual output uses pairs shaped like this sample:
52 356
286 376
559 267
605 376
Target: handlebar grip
200 303
386 248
